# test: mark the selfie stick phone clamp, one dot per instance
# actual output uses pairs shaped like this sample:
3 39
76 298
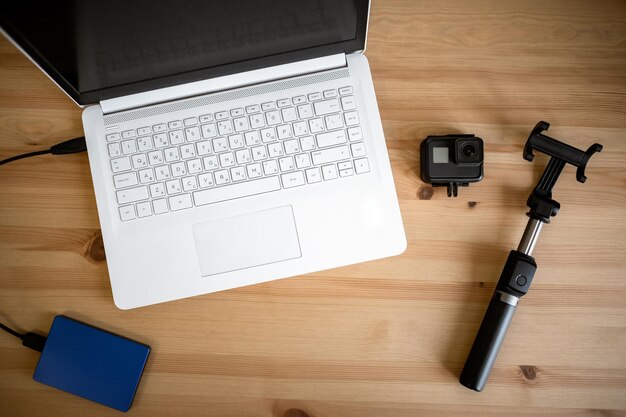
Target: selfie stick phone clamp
520 266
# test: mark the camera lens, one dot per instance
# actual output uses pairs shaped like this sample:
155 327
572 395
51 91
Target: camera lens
468 150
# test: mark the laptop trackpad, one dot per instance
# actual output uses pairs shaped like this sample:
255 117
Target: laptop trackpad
247 240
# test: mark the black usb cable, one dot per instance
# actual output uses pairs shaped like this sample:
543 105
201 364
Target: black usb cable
30 340
69 146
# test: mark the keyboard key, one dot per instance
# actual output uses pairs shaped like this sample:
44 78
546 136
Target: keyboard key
210 162
114 150
287 164
293 179
146 176
192 134
173 187
240 190
176 137
188 151
334 121
268 135
283 102
179 169
358 149
243 156
120 164
255 108
180 202
227 159
194 166
220 145
270 167
157 190
268 106
161 127
275 150
209 130
259 153
176 124
190 183
305 111
254 171
238 174
292 146
155 158
252 138
127 213
139 161
273 118
191 121
346 90
325 140
160 140
241 124
129 147
299 100
131 195
307 143
348 103
352 118
160 206
303 160
346 172
325 107
329 172
284 132
316 125
113 137
171 154
361 165
162 172
355 134
206 118
313 175
128 134
144 209
300 129
237 112
221 177
330 93
236 141
257 121
225 127
221 115
315 96
125 180
144 131
330 155
203 147
289 114
206 180
144 143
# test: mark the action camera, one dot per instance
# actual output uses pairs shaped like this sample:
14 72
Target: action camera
452 161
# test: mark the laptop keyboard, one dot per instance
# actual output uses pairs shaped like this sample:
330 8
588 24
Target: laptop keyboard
234 153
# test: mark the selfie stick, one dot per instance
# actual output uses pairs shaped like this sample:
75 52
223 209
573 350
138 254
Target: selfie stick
520 267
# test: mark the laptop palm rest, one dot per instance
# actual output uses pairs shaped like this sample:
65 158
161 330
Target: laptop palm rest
247 240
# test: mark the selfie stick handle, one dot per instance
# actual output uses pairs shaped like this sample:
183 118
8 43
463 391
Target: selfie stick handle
520 266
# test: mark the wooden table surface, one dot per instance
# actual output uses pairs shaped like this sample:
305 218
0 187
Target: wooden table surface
384 338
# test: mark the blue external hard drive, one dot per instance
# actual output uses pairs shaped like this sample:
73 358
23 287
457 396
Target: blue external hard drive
92 363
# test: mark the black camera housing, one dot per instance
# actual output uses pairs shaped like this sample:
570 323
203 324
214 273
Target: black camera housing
452 160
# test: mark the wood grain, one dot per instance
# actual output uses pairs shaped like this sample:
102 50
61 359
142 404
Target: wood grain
389 337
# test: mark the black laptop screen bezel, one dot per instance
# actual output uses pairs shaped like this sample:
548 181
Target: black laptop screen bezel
95 96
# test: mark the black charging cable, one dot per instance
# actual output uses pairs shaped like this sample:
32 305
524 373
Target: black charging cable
30 340
75 145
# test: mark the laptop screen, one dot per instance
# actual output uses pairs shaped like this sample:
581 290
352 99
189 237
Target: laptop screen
97 49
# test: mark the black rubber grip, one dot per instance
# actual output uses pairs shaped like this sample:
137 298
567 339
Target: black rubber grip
487 344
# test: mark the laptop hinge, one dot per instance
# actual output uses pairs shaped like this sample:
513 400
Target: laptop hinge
227 82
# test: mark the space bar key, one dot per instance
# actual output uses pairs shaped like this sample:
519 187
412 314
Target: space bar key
230 192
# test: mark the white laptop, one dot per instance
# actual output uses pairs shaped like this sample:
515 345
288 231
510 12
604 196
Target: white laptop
230 143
